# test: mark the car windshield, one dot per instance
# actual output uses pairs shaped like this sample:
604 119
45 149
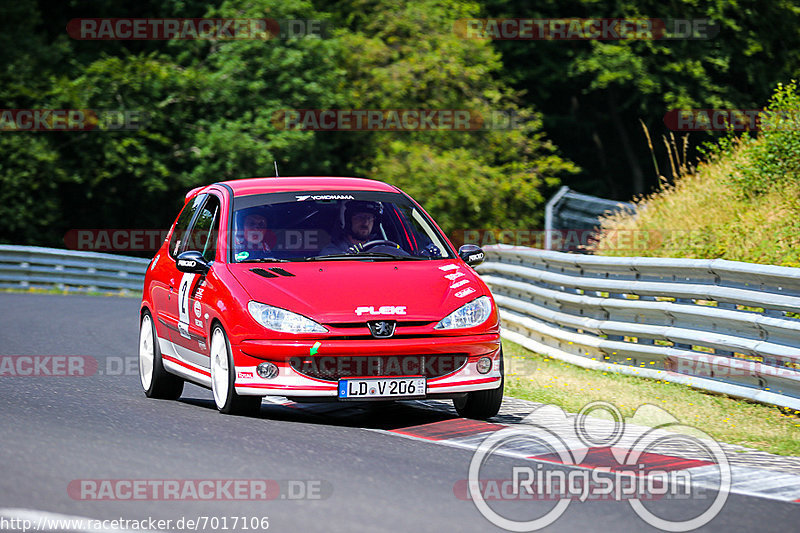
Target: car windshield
333 225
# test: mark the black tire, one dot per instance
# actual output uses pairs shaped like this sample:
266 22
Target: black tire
162 384
228 402
482 404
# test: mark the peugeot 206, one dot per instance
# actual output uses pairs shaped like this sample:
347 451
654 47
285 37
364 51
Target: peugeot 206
317 289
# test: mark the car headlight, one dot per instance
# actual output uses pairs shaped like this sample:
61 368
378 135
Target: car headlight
468 315
279 319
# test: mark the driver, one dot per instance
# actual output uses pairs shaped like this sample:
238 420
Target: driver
359 220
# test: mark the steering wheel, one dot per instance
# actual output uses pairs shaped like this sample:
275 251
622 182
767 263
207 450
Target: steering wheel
371 244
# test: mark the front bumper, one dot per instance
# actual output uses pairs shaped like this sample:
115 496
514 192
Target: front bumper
289 382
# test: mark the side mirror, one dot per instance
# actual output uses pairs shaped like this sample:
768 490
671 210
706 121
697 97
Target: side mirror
192 263
471 254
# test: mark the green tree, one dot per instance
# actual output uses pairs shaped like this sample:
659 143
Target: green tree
208 106
593 93
211 115
409 57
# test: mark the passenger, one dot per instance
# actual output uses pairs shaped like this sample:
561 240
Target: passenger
252 243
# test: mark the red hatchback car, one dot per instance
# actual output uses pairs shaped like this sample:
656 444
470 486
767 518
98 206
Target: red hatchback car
317 289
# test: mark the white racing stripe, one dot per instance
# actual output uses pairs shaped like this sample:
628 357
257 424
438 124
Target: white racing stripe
12 519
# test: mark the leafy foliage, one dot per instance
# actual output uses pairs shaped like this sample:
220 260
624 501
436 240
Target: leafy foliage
774 158
410 58
210 105
211 108
742 203
593 93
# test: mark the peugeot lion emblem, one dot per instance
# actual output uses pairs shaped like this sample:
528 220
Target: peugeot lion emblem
382 328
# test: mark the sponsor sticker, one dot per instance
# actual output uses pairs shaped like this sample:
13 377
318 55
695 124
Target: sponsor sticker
303 198
465 292
383 310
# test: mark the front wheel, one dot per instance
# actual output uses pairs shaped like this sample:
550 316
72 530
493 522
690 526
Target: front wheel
156 382
223 376
482 404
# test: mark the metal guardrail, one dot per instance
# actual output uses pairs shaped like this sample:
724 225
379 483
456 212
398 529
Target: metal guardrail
718 325
25 267
722 326
570 210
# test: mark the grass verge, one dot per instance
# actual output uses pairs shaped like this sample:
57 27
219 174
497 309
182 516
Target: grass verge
703 216
539 378
740 203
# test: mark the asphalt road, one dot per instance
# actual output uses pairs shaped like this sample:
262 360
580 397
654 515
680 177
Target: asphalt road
56 430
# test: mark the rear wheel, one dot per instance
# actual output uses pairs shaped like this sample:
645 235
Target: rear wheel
482 404
156 381
223 376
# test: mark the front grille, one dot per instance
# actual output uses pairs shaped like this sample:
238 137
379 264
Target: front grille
331 368
400 324
404 329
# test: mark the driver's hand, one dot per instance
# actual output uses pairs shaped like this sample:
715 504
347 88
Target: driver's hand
356 248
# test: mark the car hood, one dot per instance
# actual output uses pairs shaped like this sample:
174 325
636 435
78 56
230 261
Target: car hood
354 291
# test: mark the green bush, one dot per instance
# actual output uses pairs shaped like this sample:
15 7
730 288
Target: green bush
774 158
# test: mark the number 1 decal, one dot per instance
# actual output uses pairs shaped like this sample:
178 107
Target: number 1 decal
187 282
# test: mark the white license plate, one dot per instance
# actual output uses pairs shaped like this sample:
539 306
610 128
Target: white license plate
370 388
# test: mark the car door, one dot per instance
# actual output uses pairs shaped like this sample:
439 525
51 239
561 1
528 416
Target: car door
190 338
166 275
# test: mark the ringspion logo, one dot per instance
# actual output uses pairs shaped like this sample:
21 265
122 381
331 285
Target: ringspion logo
635 469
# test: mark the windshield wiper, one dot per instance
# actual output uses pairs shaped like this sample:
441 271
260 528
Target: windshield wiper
407 257
365 255
329 256
265 260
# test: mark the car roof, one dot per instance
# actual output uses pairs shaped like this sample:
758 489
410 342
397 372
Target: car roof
248 186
